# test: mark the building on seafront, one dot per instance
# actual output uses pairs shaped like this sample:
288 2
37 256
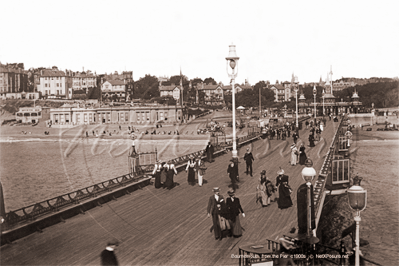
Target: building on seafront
13 81
146 114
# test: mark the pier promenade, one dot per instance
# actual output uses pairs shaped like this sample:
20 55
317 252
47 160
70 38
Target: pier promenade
170 227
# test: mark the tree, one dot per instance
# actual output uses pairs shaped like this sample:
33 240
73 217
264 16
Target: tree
146 87
210 81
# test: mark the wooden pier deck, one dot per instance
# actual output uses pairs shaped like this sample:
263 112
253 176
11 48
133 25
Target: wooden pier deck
162 227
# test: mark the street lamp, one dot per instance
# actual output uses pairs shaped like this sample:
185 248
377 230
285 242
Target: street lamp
232 60
296 100
314 93
357 197
308 174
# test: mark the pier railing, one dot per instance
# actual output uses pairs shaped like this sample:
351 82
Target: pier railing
35 211
31 213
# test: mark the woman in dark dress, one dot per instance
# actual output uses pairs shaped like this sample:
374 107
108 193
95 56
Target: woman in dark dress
284 190
234 208
157 174
302 156
164 173
311 140
169 176
191 171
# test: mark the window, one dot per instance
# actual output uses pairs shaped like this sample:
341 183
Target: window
127 117
148 116
58 84
45 85
58 92
77 118
85 118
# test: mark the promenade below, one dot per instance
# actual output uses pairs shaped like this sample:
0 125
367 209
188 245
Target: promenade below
170 227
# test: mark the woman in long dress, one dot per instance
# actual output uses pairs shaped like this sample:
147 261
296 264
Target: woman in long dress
157 174
311 140
294 153
191 171
234 208
302 156
284 190
200 169
169 175
164 173
264 189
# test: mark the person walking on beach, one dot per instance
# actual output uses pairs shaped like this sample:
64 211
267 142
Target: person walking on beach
169 183
108 256
214 209
200 169
209 152
232 170
191 171
234 209
284 190
249 158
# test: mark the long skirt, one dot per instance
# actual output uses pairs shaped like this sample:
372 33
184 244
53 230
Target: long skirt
265 200
157 183
293 158
163 177
236 229
191 175
284 199
169 183
302 158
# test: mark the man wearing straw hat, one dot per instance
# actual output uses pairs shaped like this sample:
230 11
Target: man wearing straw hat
215 205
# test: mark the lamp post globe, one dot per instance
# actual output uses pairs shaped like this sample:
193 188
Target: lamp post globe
232 61
357 197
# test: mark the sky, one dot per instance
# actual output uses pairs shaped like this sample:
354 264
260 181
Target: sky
274 39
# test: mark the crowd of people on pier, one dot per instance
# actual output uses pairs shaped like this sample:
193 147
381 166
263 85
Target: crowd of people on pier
226 213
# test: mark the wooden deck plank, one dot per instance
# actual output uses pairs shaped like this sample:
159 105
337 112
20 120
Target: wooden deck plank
162 227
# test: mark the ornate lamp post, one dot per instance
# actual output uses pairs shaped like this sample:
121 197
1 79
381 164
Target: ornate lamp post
308 174
296 100
357 197
323 101
232 59
314 94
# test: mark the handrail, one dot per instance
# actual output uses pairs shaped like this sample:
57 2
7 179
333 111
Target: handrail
34 211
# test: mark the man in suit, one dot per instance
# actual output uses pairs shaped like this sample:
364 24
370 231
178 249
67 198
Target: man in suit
209 152
249 158
215 205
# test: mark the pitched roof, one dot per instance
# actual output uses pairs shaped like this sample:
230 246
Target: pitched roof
52 73
116 82
278 86
208 87
168 88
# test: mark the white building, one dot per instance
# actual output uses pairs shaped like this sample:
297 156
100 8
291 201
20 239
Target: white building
53 83
114 89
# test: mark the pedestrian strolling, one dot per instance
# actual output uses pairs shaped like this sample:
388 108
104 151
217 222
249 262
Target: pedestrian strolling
169 183
234 209
209 152
157 174
294 154
214 209
191 171
200 169
264 190
108 256
232 170
249 158
284 190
